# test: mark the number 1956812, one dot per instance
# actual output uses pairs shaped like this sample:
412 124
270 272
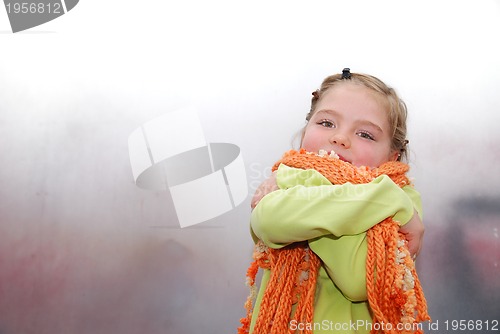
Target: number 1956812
34 8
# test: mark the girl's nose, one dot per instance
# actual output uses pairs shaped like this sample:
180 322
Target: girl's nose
340 140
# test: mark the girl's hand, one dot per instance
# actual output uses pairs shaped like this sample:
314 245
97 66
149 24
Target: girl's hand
414 233
267 186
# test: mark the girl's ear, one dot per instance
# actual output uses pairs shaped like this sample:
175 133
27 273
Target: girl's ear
394 156
302 134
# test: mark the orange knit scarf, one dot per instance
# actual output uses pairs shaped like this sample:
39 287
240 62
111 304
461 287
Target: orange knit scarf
394 292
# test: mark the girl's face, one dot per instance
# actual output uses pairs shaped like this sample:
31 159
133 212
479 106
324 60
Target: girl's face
351 120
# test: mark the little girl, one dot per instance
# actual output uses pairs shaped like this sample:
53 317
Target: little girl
316 220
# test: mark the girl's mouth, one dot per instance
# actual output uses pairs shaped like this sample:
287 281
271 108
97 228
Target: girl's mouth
332 154
343 159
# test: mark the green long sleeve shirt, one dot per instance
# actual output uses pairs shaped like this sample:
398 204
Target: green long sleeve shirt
334 220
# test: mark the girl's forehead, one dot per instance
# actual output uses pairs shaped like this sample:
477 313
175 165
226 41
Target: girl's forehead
354 98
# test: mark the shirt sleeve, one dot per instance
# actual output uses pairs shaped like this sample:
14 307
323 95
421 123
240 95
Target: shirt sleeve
308 206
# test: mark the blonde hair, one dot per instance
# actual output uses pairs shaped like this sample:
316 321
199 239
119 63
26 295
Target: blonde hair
397 113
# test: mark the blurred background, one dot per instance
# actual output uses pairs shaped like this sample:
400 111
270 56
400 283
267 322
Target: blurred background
83 250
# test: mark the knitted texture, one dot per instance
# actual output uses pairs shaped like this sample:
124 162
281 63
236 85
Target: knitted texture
394 291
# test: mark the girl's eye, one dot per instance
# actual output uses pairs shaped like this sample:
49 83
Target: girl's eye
326 123
366 135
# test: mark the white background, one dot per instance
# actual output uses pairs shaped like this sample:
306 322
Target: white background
83 250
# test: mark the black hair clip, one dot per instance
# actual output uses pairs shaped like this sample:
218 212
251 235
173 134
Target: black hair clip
346 73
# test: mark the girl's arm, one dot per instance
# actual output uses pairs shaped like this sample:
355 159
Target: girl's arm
308 206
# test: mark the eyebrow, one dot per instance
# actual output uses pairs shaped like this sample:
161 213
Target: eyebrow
364 122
